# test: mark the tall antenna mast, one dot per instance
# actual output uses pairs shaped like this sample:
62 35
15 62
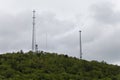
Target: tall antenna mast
80 45
33 32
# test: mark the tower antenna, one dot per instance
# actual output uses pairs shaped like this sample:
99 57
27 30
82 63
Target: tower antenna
33 32
80 45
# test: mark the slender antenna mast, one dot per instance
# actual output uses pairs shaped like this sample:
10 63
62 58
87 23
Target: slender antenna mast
80 45
33 32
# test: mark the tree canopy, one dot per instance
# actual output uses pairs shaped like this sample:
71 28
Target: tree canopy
51 66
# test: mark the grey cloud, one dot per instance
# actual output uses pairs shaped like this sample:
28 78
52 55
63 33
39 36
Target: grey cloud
48 23
105 13
14 32
106 47
105 42
56 31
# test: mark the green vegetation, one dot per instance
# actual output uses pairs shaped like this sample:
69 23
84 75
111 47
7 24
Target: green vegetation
51 66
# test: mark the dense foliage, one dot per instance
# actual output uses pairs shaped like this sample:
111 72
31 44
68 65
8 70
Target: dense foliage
51 66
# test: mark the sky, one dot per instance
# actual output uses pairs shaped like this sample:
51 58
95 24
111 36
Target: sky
57 27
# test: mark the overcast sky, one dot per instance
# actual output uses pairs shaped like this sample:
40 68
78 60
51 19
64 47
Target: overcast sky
61 20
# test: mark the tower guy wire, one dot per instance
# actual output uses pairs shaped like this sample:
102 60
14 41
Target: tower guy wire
46 41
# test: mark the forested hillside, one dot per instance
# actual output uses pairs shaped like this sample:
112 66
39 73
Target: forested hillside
51 66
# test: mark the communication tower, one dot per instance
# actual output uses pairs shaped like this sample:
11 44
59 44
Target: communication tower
33 32
80 45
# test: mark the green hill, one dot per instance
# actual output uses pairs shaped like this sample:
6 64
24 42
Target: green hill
51 66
